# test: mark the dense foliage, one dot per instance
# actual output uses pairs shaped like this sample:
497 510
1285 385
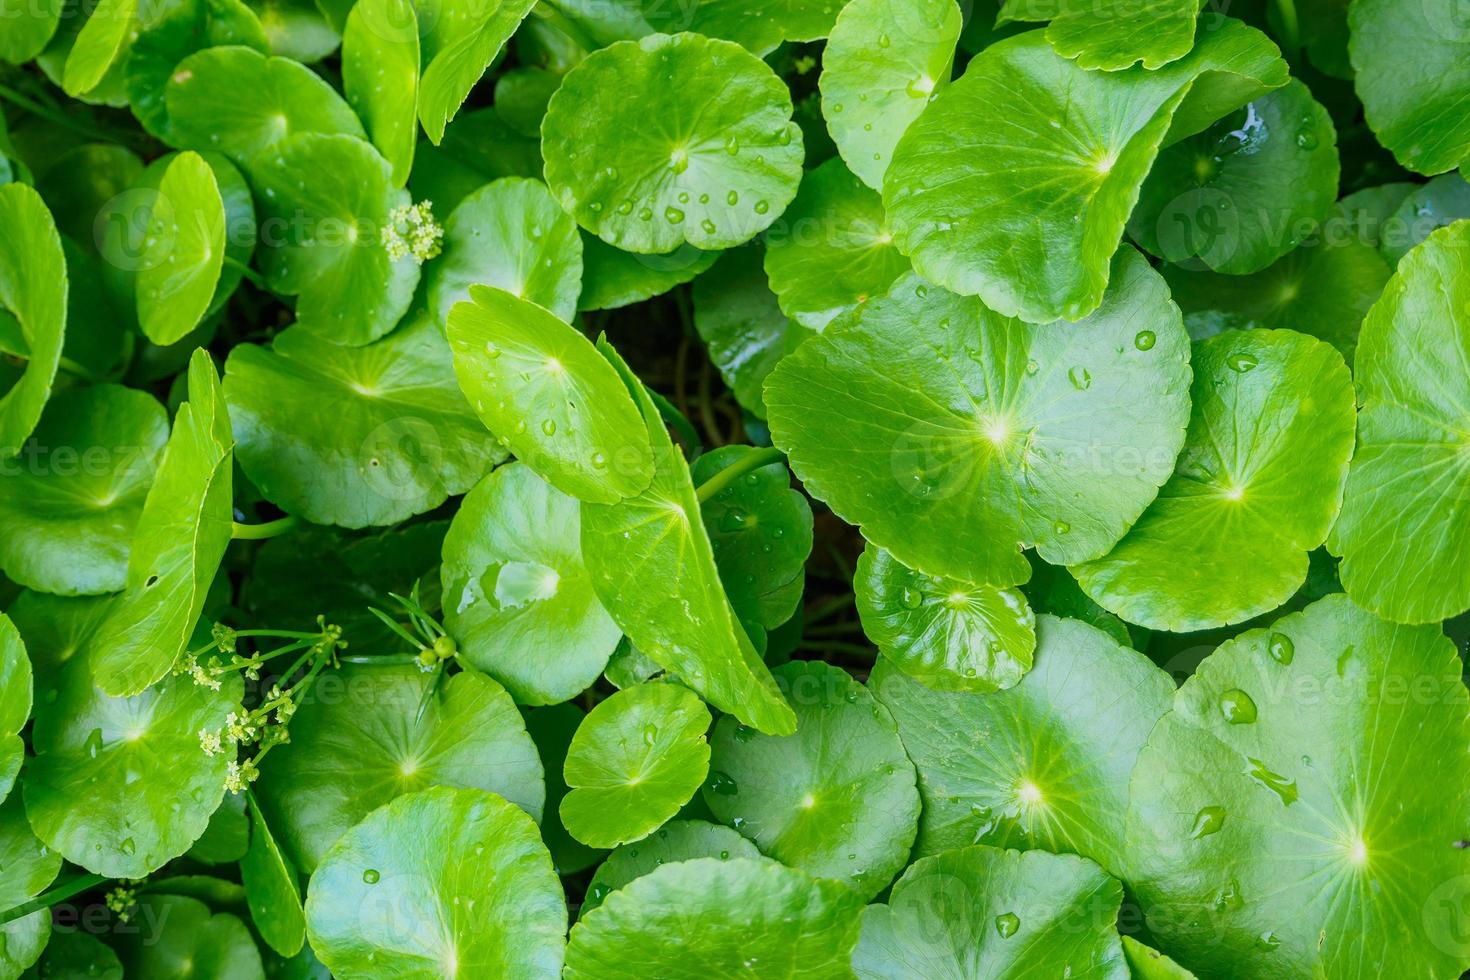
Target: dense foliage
734 488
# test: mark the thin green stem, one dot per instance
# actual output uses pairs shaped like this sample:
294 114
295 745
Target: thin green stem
79 370
280 634
60 893
830 607
248 273
379 659
1290 25
35 108
260 532
745 464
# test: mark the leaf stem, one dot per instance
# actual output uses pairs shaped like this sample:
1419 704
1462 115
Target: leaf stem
60 118
260 532
1290 25
79 370
737 469
59 893
254 278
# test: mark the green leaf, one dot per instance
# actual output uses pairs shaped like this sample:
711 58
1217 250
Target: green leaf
69 504
327 249
884 60
677 840
79 954
1015 184
243 104
1146 963
184 251
947 634
1257 486
510 235
33 289
832 250
761 533
182 28
837 798
1413 76
300 29
361 743
458 52
951 446
723 164
613 278
552 729
380 76
984 912
15 702
478 147
519 601
177 548
1264 817
29 25
188 943
806 927
742 325
121 785
398 439
521 95
1051 770
1411 461
26 868
654 570
271 888
1247 190
541 387
1115 34
385 900
1442 201
227 837
102 39
1323 288
635 760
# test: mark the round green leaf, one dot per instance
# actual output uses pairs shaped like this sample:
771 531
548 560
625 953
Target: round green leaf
1116 34
1412 60
26 868
754 917
75 954
300 29
28 27
385 900
33 291
1310 781
510 235
380 76
677 840
948 634
654 570
459 47
322 241
355 436
954 435
541 387
1442 201
721 166
121 785
984 912
837 798
761 533
1016 182
1323 288
1257 486
186 942
742 325
519 601
102 39
184 252
242 103
361 742
1044 764
521 95
832 250
70 502
1403 524
178 545
271 888
182 28
636 759
15 702
613 278
1247 190
759 25
884 60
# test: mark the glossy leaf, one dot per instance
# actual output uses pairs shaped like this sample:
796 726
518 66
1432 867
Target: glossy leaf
33 290
271 888
677 840
380 76
463 45
184 252
15 702
189 942
26 868
613 278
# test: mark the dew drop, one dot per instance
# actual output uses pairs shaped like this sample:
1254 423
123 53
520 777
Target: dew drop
1061 527
708 226
1006 924
1080 377
723 784
1237 707
94 742
650 734
1240 363
744 733
1281 648
549 427
911 598
1280 785
128 846
732 198
761 207
599 461
371 876
1208 821
1144 340
1268 941
673 215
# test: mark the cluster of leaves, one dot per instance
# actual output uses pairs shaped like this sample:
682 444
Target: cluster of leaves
752 488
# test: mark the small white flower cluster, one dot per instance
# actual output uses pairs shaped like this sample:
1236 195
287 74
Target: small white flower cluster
412 231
